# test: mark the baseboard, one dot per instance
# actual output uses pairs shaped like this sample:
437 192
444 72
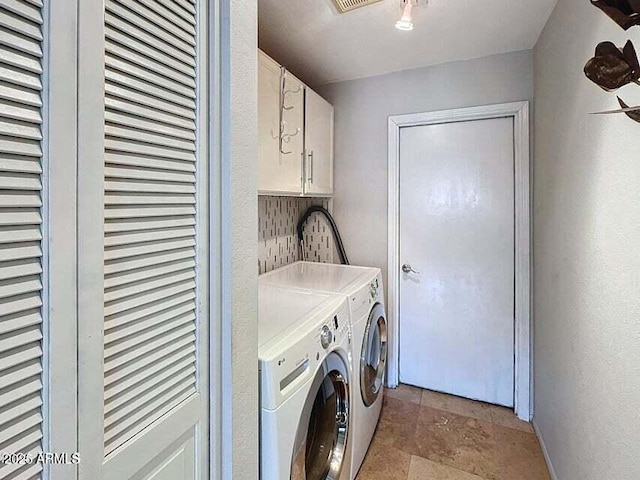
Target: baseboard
545 452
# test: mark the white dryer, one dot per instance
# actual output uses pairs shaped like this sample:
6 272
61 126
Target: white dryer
363 288
304 349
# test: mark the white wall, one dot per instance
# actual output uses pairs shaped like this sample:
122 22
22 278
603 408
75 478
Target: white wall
362 108
240 216
587 256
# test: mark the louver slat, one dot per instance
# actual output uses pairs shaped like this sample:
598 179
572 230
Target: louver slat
124 21
20 42
186 4
21 283
26 10
145 365
121 38
157 15
22 472
124 412
150 214
185 10
184 365
116 105
137 380
19 25
19 76
147 86
149 412
151 272
115 51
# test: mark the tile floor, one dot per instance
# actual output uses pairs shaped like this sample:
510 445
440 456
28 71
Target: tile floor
424 435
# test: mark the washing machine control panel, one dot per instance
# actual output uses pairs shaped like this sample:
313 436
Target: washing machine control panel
294 362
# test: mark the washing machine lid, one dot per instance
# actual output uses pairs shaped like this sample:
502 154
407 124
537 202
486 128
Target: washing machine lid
324 277
284 311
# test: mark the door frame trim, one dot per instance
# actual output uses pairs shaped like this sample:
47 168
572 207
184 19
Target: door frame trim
519 111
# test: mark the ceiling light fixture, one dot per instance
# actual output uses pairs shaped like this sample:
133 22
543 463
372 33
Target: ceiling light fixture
406 22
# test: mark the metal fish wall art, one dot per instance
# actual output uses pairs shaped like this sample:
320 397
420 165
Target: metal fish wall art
625 13
611 67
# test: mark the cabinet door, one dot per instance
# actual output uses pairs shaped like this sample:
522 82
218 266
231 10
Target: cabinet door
291 156
318 145
269 78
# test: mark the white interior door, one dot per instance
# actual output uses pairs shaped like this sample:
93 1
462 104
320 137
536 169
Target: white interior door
144 182
155 349
457 234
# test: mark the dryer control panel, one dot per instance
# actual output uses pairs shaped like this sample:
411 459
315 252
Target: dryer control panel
361 302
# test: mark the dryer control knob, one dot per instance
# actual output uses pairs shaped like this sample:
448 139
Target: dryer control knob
326 337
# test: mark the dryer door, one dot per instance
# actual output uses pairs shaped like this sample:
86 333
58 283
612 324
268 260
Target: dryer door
321 438
373 359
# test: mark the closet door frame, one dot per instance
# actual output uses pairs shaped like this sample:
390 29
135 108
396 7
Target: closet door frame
60 234
90 228
219 334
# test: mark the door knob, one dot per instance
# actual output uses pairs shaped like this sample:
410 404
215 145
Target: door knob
406 268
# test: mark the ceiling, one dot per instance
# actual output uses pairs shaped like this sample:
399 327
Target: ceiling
321 46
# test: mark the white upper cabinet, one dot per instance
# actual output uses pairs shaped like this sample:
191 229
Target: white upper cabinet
292 151
269 122
280 123
318 141
296 147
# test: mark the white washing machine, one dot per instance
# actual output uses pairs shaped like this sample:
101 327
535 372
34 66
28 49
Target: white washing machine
364 290
304 351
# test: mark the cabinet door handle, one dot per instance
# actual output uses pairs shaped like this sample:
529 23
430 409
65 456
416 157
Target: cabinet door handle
302 171
311 167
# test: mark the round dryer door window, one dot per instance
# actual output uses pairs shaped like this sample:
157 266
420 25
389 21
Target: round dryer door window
374 356
322 432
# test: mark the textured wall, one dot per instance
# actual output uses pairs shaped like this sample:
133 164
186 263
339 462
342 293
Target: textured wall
239 256
277 237
362 108
586 255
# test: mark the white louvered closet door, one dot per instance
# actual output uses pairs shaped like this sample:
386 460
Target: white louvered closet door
155 243
21 234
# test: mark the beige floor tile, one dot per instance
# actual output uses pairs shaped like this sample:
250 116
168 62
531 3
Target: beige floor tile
397 424
406 393
423 469
506 418
449 438
384 462
457 441
519 455
459 405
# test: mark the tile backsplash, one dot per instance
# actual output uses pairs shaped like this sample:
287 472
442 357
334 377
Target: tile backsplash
277 238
